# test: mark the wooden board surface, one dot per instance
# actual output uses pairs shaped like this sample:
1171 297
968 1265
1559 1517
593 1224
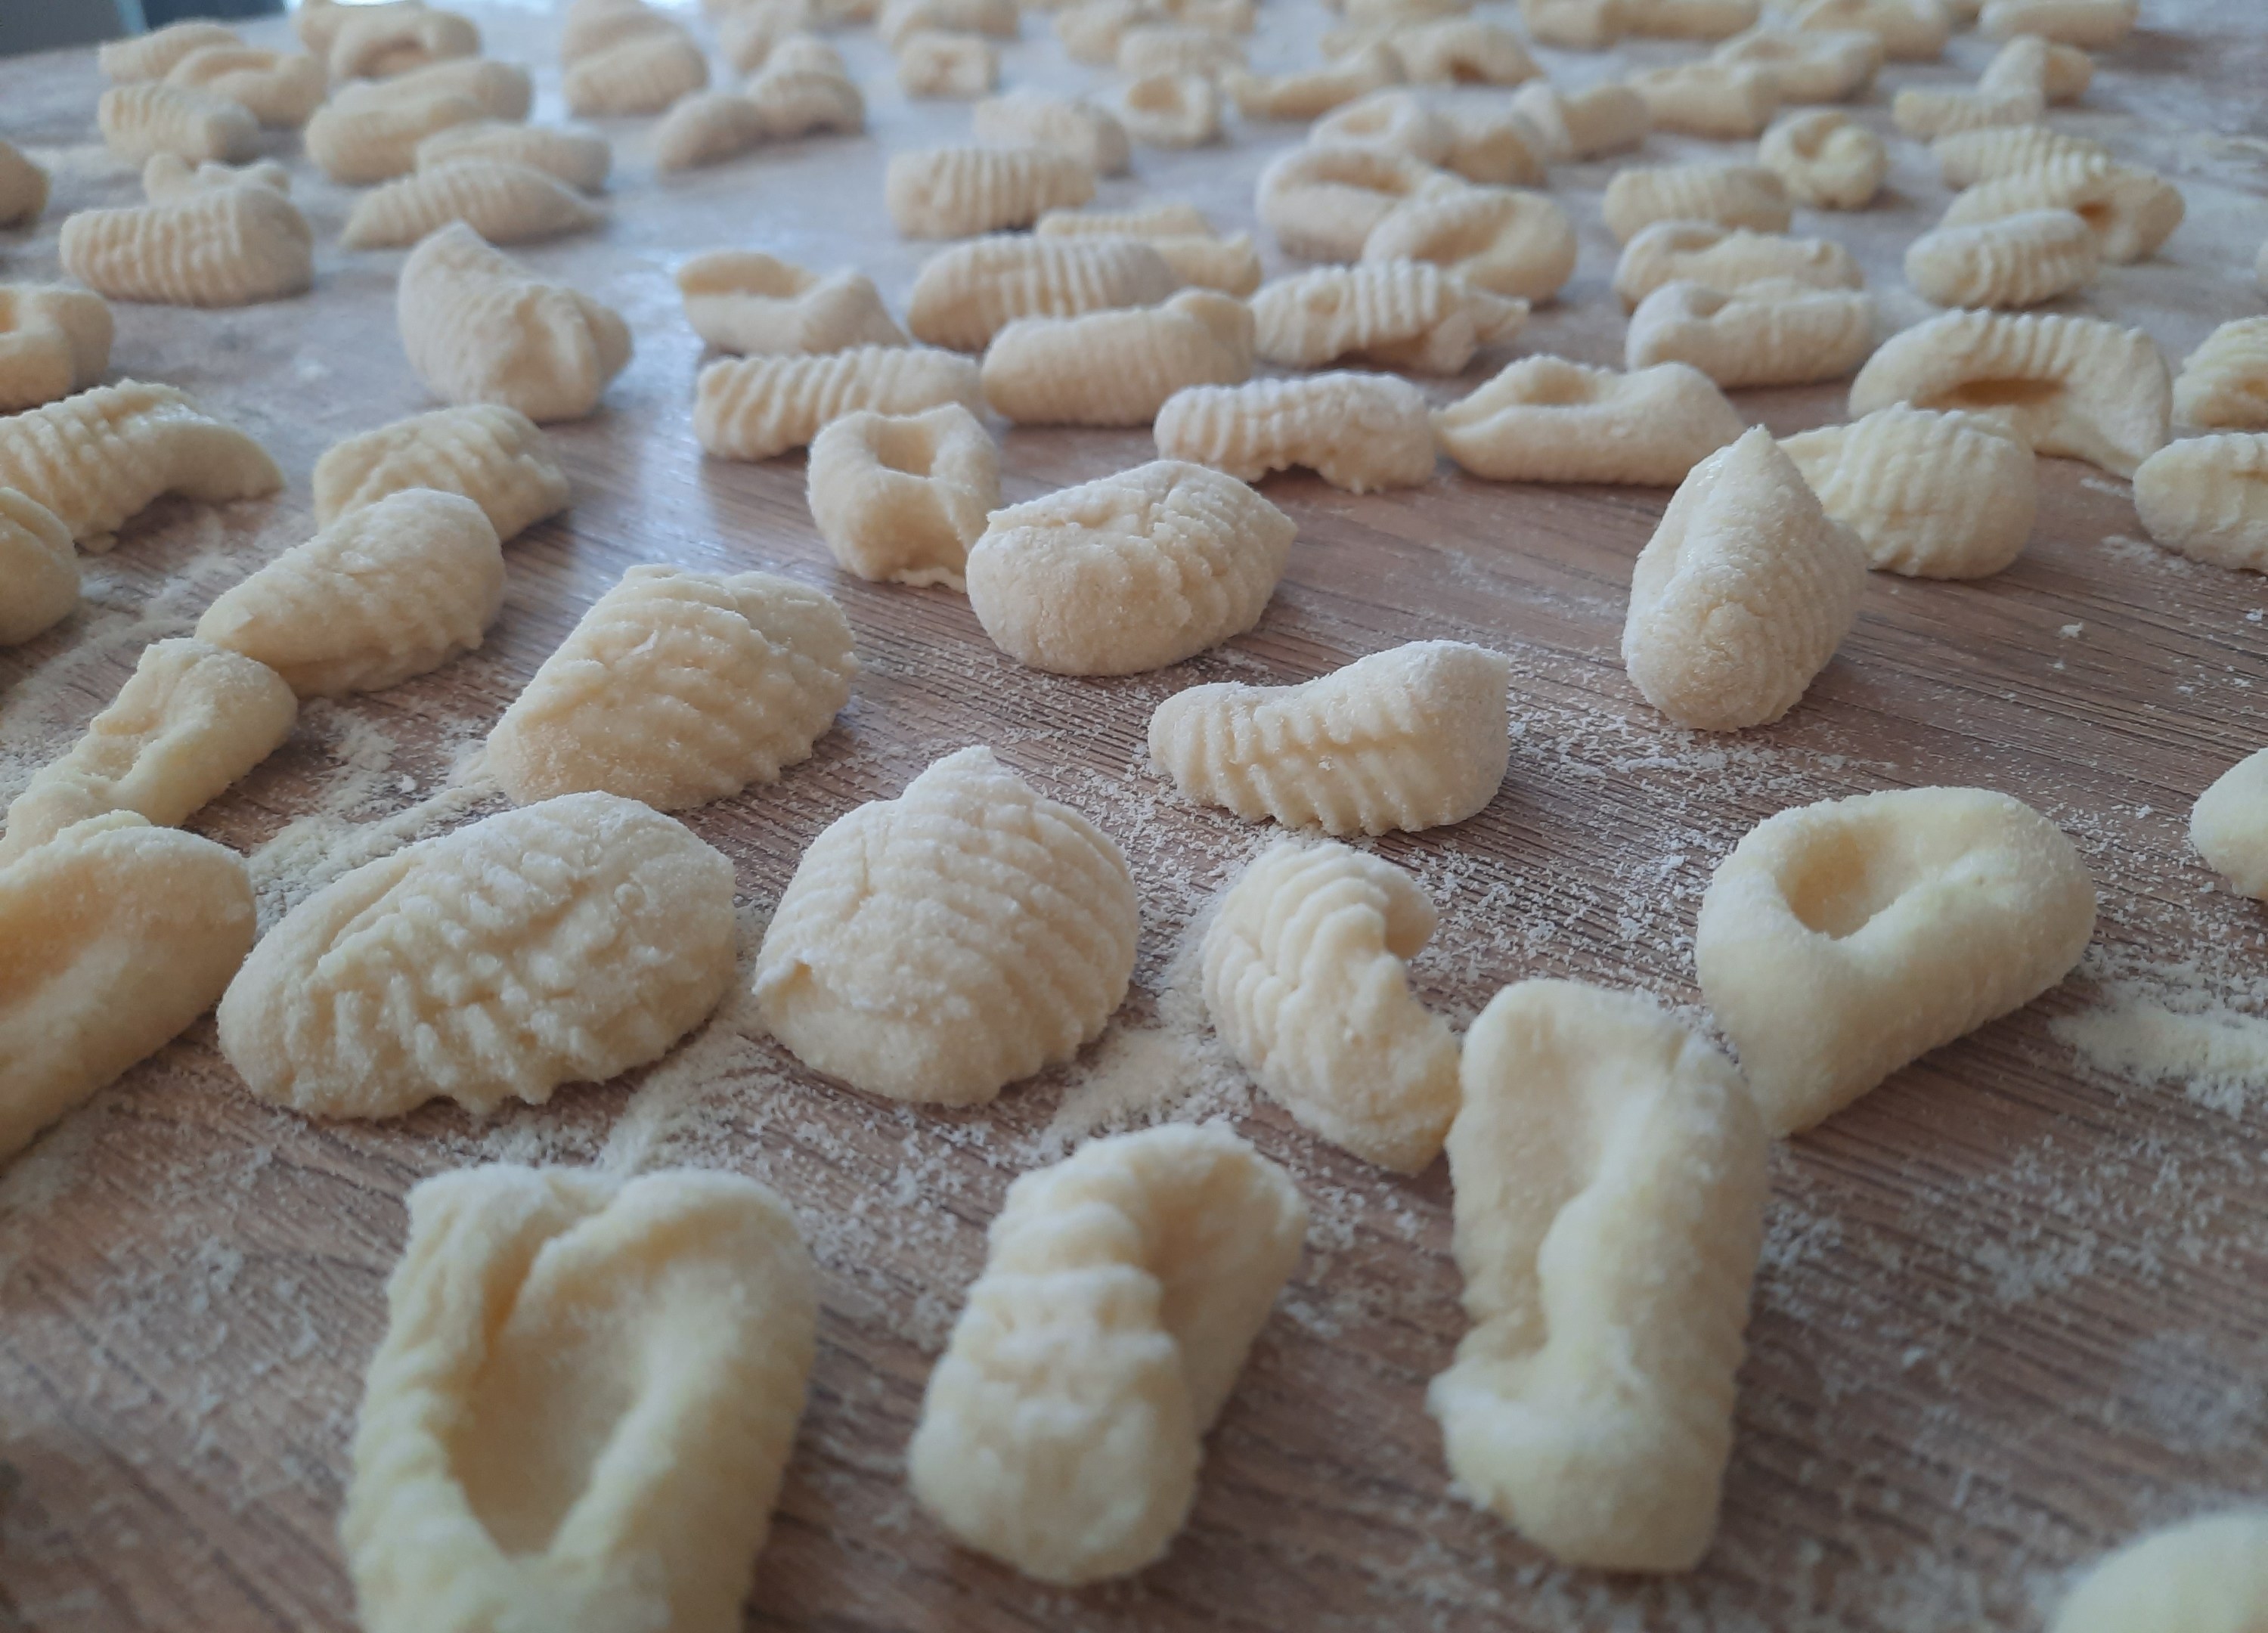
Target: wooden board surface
2009 1309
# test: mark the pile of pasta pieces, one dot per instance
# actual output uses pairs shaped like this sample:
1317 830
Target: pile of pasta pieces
1608 1161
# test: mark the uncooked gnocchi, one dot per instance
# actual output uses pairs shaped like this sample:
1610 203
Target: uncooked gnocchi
1517 244
1730 196
1977 155
1362 432
1116 368
23 188
939 946
1690 19
966 295
505 203
754 408
2018 261
1824 159
1929 494
958 192
933 62
478 327
40 566
1172 110
2132 211
54 340
744 301
359 140
165 179
640 73
1583 124
1545 419
1775 332
1088 134
1573 24
2207 497
1175 49
149 117
381 42
901 19
2228 826
98 456
1460 50
490 454
2090 24
1726 259
1912 31
577 157
1809 65
1406 314
1322 200
152 55
1315 91
2223 385
216 246
902 497
1725 101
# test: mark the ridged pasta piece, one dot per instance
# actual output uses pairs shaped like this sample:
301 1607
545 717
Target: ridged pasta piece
1688 19
966 295
1929 494
1313 92
1824 159
1742 594
958 192
1175 49
1415 737
148 117
1583 124
503 89
167 179
744 301
505 203
1545 419
1395 119
1362 432
490 454
585 1398
1460 50
114 937
1912 31
939 946
478 327
191 719
1925 112
2132 211
2207 497
1840 940
1608 1173
1971 156
40 566
806 101
1063 1427
2075 387
1116 368
1130 572
1407 314
360 142
1809 65
749 34
1091 134
2229 826
754 408
1730 196
592 27
2058 73
708 127
1153 222
216 246
152 55
2018 261
2090 24
564 942
98 456
1516 244
379 42
577 157
1172 110
933 62
2206 1575
317 22
2223 385
388 591
23 188
1491 146
1091 30
1322 200
1725 101
1726 259
902 497
1573 24
901 19
1775 332
54 340
643 74
278 89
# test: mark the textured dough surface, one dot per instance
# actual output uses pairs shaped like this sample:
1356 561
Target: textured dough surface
357 140
902 497
958 192
577 157
2229 826
218 247
2208 1575
754 408
1730 196
54 340
1397 314
478 327
1063 1428
502 202
1517 244
2132 211
1545 419
493 455
1825 161
1323 199
96 458
586 1395
1088 134
2223 385
966 295
143 117
1778 331
1116 368
2018 261
2207 497
1362 432
1929 494
1971 156
561 943
747 302
38 565
1726 259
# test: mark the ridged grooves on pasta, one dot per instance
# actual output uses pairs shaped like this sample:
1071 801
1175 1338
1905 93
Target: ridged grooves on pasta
1116 368
97 458
1975 156
754 407
1730 196
1407 314
964 296
2207 497
222 246
956 192
2132 211
2017 262
480 328
2223 385
1929 494
493 455
505 203
1357 432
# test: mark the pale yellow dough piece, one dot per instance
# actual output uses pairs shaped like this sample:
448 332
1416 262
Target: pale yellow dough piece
1912 31
939 946
2132 211
1091 30
1742 594
643 74
578 158
23 188
933 62
2075 387
493 455
503 90
1362 432
98 456
38 564
1461 51
677 688
479 327
1608 1175
901 19
1063 1429
1090 135
1520 245
1545 419
1583 124
1809 64
114 937
2018 261
754 408
167 179
191 719
1392 120
359 140
562 943
2207 497
1175 49
502 202
1839 941
1690 19
379 42
1824 159
279 89
216 246
2090 24
2230 827
390 591
902 497
744 301
1172 110
1925 113
2057 71
152 55
966 295
1929 494
1407 314
1415 737
54 340
1775 332
1315 91
708 127
1322 200
149 117
1574 25
1724 100
1972 156
584 1400
1116 368
1730 196
958 192
2223 385
1727 260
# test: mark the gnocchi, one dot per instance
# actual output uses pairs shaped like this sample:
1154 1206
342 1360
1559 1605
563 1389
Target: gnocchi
277 88
1929 494
38 565
902 497
579 159
2133 211
966 295
1605 119
150 116
1726 101
644 73
1970 157
958 192
1574 25
2228 826
1323 199
1912 31
99 456
2223 385
2018 261
478 327
1407 314
54 340
2091 24
1809 65
1172 110
502 202
1545 419
933 62
754 408
1825 161
1116 368
490 454
379 42
1362 432
358 141
1690 19
1730 196
1727 259
1316 91
153 55
1775 332
218 247
1520 245
747 302
1090 135
2207 497
167 179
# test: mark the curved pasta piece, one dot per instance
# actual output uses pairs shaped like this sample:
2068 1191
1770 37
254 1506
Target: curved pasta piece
218 247
54 340
584 1400
114 937
753 36
1172 110
23 188
1063 1428
902 497
1091 30
1777 331
1730 196
1545 419
1130 572
1511 243
1824 160
1605 119
38 564
2132 211
932 63
98 456
1395 119
2075 387
388 591
2207 497
966 295
1608 1173
746 302
167 179
152 55
958 192
1175 49
191 719
1154 223
1573 24
754 408
676 688
1315 91
1322 200
939 946
359 142
478 327
1912 31
150 116
805 101
1088 134
503 90
1926 112
2058 73
505 203
1839 941
1305 980
1491 146
1406 314
901 18
708 127
1973 156
592 27
493 455
2019 261
1362 432
1463 50
2228 826
1415 737
1726 259
2090 24
575 157
1116 368
564 942
1929 494
1726 101
1809 65
278 89
2223 385
1688 19
1742 594
643 74
379 42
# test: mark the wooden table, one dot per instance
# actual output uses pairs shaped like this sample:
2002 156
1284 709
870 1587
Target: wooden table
2010 1307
